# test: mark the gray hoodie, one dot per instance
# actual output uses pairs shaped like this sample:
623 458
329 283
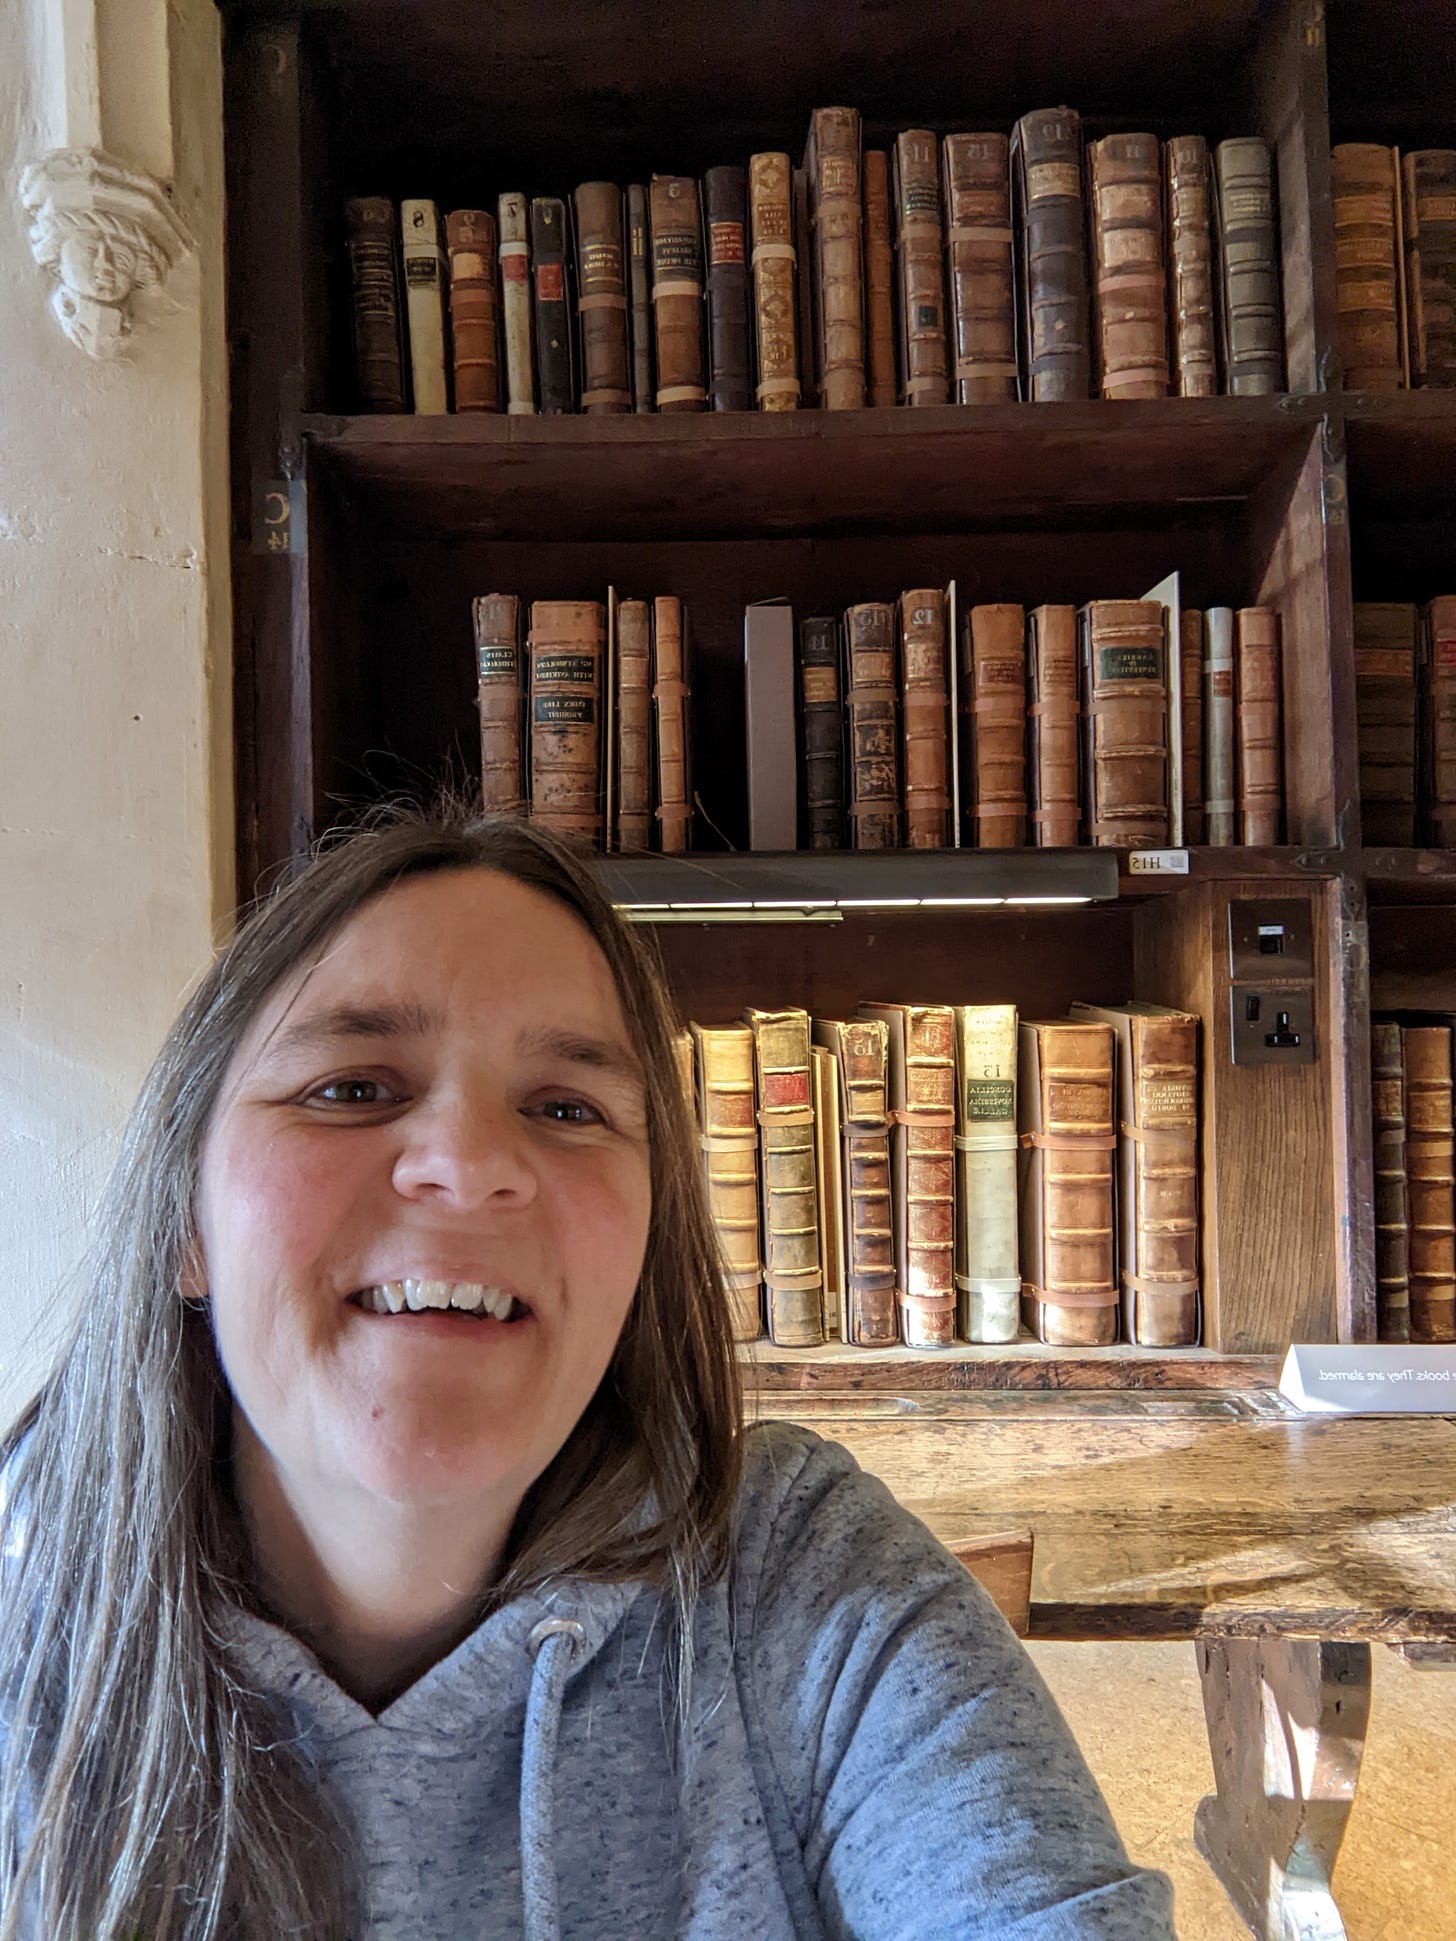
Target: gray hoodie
870 1753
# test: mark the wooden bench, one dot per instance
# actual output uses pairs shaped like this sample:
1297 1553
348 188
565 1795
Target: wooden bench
1283 1545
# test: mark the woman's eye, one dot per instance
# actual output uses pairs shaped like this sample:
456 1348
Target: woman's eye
353 1091
569 1112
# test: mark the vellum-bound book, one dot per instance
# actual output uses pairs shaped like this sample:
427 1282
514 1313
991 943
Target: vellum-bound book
860 1052
793 1274
424 286
988 1273
921 1040
1065 1086
728 1128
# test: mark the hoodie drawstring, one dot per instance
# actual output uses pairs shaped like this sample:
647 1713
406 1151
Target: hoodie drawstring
553 1646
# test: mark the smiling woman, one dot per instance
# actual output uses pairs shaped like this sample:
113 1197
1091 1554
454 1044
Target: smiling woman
386 1556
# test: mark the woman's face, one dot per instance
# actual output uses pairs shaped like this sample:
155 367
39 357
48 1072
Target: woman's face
446 1107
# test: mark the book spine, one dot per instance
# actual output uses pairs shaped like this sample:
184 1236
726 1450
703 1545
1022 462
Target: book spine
501 700
1047 182
1219 805
979 262
924 716
926 1121
1249 268
566 644
515 268
775 291
879 276
424 284
728 1130
1385 719
874 768
1430 259
993 663
552 314
369 225
1161 1282
1191 630
634 726
1125 704
601 300
832 171
821 726
1430 1181
639 277
1392 1220
1189 198
860 1053
988 1271
919 250
671 692
829 1169
474 312
793 1274
730 355
677 293
1053 723
1438 711
1364 186
1260 713
1131 282
1065 1085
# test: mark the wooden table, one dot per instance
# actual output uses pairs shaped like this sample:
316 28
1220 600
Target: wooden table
1284 1545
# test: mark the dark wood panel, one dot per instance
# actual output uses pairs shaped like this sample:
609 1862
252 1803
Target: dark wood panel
1401 448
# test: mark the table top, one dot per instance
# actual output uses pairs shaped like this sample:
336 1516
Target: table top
1178 1516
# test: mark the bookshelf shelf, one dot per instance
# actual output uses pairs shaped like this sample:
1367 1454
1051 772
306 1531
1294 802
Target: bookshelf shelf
1024 1364
861 880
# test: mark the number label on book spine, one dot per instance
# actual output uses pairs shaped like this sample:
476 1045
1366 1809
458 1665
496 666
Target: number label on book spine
1157 862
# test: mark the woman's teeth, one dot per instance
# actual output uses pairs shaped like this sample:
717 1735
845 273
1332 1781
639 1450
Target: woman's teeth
465 1297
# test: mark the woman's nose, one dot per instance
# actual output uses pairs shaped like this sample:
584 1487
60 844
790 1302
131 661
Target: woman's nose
468 1152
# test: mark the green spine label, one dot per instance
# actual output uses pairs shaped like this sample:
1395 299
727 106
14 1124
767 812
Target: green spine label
564 710
990 1098
580 669
1129 664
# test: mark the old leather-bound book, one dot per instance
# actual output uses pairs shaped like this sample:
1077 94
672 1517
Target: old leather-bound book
513 217
1430 1181
775 287
369 223
423 255
727 1111
1365 187
831 167
1131 284
921 1047
981 327
671 691
1385 719
1260 711
925 717
829 1173
879 275
860 1052
1191 630
872 740
639 292
1438 723
551 324
1051 228
601 299
730 349
500 667
993 697
793 1277
1157 1196
634 726
677 293
474 311
1429 186
1188 198
1125 709
1392 1218
1053 721
1065 1089
1220 806
821 724
988 1271
566 646
920 268
1250 325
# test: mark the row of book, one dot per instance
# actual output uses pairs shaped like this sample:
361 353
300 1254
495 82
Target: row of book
968 268
927 1173
1415 1176
1395 265
1405 710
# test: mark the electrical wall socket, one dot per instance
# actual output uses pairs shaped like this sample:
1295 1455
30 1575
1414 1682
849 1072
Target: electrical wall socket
1272 1024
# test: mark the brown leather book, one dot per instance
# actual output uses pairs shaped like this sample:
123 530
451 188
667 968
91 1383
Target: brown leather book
920 269
775 286
1430 1181
980 267
1250 326
1365 188
1131 284
1068 1139
988 1272
1188 199
873 740
1191 631
821 726
1053 317
879 275
829 1173
1157 1151
1429 213
634 726
513 221
671 692
925 717
1438 723
921 1045
727 1111
793 1276
371 229
566 645
677 293
1385 719
1392 1218
601 299
1125 711
500 666
831 168
474 311
993 698
730 350
1053 721
1260 725
860 1052
639 292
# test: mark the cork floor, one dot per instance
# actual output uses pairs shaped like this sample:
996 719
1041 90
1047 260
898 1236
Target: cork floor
1137 1713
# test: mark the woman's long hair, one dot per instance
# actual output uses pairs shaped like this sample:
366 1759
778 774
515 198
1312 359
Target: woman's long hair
142 1791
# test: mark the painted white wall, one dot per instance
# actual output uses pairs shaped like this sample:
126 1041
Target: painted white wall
115 729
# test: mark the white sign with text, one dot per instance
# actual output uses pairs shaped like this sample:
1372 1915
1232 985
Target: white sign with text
1391 1379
